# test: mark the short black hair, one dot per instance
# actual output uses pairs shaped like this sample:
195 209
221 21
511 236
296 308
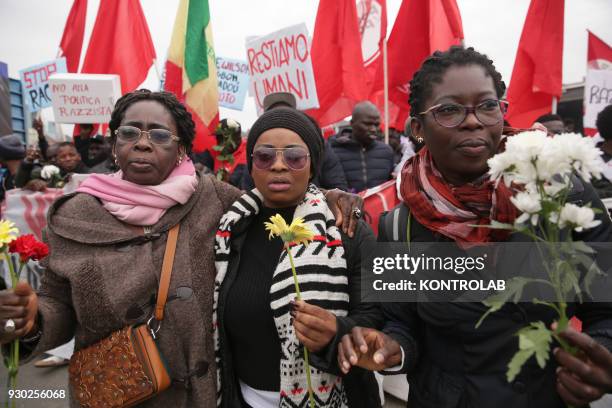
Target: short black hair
604 123
184 122
549 117
64 144
434 67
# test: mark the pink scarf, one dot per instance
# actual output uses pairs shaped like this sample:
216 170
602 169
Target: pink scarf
138 204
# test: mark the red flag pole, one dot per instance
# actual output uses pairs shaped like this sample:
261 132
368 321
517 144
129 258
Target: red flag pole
386 90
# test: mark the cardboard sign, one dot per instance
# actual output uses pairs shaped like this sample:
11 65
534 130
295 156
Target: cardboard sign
233 78
597 94
280 62
84 98
35 83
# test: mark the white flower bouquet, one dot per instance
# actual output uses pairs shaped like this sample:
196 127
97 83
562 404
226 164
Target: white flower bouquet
52 175
540 169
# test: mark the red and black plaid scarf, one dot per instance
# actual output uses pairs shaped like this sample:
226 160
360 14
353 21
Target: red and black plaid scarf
452 211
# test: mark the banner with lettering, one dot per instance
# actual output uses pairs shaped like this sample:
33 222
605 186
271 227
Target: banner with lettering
233 78
84 98
280 62
597 94
28 209
35 83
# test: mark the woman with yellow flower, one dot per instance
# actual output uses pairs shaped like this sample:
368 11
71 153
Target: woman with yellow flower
260 325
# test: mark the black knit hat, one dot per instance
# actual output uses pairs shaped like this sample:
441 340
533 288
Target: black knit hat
288 118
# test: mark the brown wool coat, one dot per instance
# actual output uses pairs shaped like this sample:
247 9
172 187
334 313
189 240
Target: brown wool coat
96 272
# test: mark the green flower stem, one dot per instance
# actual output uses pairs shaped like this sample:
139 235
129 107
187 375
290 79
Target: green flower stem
13 359
310 397
299 297
295 279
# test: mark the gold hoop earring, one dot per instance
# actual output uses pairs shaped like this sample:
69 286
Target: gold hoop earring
179 161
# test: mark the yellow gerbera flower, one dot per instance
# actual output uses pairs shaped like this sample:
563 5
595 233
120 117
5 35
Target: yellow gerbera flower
297 232
8 232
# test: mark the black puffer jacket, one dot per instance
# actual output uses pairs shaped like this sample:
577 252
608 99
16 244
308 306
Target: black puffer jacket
364 167
450 364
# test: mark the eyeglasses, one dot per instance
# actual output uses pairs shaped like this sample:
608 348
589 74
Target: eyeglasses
295 158
489 112
131 134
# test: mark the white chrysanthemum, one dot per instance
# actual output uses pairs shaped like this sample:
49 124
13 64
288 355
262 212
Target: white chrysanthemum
516 163
49 171
553 188
500 164
579 218
529 204
526 146
584 155
232 124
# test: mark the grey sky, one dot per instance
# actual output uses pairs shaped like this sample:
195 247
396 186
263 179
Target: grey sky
31 30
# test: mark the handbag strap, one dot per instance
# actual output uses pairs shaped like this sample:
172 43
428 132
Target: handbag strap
164 280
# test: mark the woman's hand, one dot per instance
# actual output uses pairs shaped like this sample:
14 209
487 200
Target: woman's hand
314 326
32 154
586 377
20 305
368 348
343 205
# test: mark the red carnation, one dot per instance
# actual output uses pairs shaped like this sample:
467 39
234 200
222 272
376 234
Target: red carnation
28 247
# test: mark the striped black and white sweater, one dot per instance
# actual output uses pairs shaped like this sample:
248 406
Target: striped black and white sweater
359 387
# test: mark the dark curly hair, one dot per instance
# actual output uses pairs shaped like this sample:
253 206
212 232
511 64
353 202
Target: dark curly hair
184 123
434 67
604 123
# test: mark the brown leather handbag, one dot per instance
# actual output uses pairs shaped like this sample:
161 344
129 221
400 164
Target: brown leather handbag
126 368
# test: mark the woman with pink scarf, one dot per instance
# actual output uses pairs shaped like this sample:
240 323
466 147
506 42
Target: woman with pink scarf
107 244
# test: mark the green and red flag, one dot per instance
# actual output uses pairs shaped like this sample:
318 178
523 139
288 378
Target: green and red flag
191 71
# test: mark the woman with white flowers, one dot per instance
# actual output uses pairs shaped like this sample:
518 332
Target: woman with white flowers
456 108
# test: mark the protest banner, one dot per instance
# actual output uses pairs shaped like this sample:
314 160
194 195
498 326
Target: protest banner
280 62
35 83
28 210
233 78
84 98
597 94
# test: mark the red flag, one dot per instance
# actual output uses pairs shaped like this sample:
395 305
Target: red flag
120 43
536 77
72 39
599 55
372 17
337 61
378 199
421 27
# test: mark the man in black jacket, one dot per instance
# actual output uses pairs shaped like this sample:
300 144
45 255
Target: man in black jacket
366 161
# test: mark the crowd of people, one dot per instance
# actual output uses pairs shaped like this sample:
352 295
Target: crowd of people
235 338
